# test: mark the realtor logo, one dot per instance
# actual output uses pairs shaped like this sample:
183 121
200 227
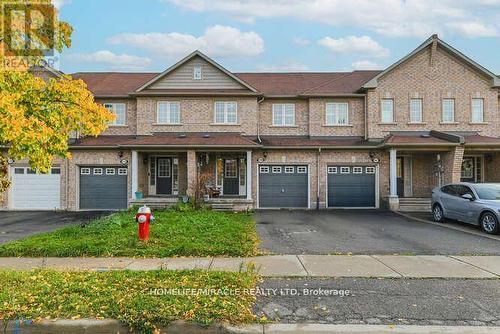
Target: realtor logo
28 29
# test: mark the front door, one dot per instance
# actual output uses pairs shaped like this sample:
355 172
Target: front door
400 171
231 179
164 176
468 173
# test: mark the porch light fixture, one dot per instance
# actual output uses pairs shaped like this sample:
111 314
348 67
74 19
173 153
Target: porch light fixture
124 162
145 161
374 157
10 161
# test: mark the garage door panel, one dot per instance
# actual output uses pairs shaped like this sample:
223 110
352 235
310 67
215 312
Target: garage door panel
103 191
351 190
35 191
278 189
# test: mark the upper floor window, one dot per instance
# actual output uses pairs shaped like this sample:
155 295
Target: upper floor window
416 111
477 111
387 107
337 113
448 110
284 114
197 73
168 112
225 112
120 112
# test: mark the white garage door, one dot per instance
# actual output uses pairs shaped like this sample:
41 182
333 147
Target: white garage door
31 191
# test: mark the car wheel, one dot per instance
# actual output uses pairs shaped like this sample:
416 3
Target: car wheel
437 213
489 223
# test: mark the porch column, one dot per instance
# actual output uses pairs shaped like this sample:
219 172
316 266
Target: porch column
393 195
192 174
135 172
249 175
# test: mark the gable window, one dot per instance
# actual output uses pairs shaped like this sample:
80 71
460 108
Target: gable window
168 112
119 110
337 113
448 110
284 114
477 111
416 111
387 107
197 73
225 112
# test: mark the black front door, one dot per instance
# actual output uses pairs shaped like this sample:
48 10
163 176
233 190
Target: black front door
468 173
164 176
400 176
231 179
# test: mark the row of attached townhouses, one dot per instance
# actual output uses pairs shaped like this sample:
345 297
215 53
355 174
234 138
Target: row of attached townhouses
362 139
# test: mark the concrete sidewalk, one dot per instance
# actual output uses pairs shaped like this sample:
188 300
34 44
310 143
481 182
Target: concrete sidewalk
390 266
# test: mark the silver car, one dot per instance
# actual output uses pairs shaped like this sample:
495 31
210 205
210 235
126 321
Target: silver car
473 203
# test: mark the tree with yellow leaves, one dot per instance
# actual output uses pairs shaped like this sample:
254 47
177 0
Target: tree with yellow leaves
37 116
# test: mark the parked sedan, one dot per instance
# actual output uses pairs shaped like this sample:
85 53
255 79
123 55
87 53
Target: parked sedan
473 203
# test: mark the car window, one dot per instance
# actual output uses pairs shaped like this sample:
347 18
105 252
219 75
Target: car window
450 190
488 191
462 190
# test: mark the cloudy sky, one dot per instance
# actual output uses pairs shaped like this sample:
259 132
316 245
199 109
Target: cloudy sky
273 35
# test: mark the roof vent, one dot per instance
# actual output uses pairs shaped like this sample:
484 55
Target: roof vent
425 136
182 135
206 135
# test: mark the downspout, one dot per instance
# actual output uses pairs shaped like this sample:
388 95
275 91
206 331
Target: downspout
259 101
366 114
318 177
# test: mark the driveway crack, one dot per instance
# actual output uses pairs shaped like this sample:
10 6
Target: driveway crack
397 272
303 266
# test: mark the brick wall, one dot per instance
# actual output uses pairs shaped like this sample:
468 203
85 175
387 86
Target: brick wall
491 168
452 164
448 78
317 118
301 126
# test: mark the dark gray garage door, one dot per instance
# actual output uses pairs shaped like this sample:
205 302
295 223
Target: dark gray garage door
103 187
351 186
283 186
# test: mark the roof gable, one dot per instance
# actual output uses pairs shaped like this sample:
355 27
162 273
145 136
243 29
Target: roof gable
180 76
495 81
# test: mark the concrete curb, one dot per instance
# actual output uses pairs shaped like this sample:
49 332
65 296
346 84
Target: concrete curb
88 326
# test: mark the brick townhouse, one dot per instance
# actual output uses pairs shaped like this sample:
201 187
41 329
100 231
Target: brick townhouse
362 139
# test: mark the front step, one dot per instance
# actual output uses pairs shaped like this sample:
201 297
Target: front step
222 206
415 205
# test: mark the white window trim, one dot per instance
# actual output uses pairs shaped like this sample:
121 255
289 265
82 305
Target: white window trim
122 171
276 170
110 171
85 171
196 70
421 119
345 170
289 169
382 111
332 170
264 169
357 170
97 171
113 110
338 113
283 114
442 110
301 170
370 170
472 110
226 103
168 111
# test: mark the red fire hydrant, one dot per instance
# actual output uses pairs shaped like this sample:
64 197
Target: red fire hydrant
144 217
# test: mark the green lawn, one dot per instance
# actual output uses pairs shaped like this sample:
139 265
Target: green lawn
175 232
126 296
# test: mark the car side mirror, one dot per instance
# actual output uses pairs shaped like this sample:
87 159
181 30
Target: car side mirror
468 197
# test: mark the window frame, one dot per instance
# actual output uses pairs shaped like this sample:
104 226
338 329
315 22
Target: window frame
283 112
302 169
264 169
289 169
110 171
113 109
343 170
331 170
197 70
168 111
370 170
357 170
225 113
233 164
336 113
382 102
97 171
18 169
481 120
85 171
443 103
420 111
276 170
122 171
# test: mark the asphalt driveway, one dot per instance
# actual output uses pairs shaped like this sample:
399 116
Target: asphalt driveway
20 224
363 232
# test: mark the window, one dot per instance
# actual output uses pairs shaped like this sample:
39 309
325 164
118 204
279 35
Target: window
276 169
225 113
85 171
122 171
332 170
284 114
164 168
357 170
97 171
477 111
264 169
231 169
110 171
120 111
30 171
449 190
488 191
168 112
462 190
302 169
448 110
337 114
289 169
345 170
370 170
387 111
416 111
197 73
18 170
55 171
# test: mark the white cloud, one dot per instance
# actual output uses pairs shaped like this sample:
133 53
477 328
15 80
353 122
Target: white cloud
474 29
416 18
301 41
363 45
289 66
59 3
216 41
365 65
111 60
